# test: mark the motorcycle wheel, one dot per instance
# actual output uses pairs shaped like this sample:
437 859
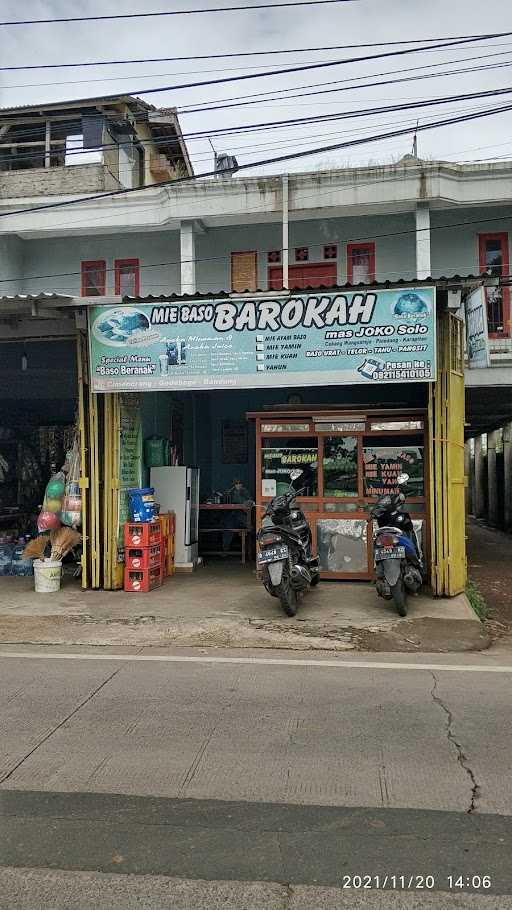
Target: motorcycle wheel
399 597
286 594
315 579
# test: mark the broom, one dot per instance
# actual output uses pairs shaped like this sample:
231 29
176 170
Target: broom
35 548
63 541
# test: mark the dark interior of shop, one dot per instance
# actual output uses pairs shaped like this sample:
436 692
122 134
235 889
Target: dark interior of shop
38 401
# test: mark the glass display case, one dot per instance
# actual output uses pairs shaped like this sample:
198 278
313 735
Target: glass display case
347 461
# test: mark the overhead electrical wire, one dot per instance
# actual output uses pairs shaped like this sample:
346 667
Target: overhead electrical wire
422 127
190 109
280 72
182 108
261 53
203 106
342 115
173 12
238 100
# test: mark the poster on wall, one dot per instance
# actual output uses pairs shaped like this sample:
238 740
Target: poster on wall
277 463
371 337
383 464
130 457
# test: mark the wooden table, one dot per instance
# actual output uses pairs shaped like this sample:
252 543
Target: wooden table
229 507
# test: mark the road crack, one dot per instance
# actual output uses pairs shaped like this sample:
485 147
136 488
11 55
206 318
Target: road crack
59 725
462 758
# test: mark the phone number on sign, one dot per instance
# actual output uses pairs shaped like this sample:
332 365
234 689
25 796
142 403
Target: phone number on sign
417 882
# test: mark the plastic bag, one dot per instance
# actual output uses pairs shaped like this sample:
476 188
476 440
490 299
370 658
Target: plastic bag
71 514
141 504
49 517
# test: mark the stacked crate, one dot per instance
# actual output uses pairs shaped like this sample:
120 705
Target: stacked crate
167 526
143 555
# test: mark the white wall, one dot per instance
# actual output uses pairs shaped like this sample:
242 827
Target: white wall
63 255
454 251
395 254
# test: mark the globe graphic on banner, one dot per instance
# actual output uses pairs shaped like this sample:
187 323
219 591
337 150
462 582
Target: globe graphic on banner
410 304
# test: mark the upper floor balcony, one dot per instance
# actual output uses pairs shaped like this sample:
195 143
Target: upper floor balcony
80 179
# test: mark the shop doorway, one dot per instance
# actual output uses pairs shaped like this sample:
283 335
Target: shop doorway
38 421
348 458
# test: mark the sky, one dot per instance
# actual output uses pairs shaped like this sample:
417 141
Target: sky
361 21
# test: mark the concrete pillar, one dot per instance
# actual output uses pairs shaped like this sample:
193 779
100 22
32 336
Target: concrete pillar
492 480
188 257
468 479
286 232
480 479
507 465
423 268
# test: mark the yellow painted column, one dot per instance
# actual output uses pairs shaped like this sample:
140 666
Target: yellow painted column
446 425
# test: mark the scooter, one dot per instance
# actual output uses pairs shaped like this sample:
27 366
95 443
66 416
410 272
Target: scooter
285 556
399 567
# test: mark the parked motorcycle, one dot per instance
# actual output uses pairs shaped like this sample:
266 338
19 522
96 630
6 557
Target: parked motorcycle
285 556
399 567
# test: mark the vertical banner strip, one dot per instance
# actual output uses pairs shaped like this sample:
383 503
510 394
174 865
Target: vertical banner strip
81 359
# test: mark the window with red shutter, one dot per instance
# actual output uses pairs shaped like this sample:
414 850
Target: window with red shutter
360 263
127 277
94 278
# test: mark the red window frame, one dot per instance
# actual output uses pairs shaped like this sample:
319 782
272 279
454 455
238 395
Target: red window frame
135 265
101 266
370 249
502 236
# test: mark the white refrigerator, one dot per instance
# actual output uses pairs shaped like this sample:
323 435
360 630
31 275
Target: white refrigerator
177 490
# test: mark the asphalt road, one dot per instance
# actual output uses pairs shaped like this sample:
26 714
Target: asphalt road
246 781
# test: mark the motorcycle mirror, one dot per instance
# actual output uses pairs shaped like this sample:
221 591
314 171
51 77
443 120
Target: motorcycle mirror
402 479
295 473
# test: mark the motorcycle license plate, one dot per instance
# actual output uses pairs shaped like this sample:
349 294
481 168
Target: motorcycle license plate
272 554
389 553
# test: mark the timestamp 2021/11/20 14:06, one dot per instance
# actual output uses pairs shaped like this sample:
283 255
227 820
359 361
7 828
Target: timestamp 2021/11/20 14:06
397 882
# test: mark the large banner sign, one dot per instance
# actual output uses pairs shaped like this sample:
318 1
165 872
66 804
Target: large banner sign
308 339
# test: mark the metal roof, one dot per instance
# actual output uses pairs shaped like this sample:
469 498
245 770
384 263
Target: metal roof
378 285
77 102
71 300
42 296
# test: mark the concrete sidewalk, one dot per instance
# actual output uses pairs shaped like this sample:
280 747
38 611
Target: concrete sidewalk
225 605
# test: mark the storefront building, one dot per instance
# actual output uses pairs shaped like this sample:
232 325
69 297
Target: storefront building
392 227
352 386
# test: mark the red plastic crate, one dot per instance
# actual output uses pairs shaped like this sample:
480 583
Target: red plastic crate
144 557
164 556
141 581
139 534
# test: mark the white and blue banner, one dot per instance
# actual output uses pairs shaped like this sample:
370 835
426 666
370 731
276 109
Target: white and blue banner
366 336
